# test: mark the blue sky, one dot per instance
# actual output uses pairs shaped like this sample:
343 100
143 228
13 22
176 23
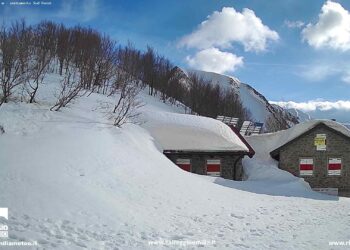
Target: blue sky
291 50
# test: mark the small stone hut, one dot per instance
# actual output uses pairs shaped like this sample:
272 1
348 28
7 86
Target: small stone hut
200 145
319 152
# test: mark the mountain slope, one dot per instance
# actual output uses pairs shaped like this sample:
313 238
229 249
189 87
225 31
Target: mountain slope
302 116
252 100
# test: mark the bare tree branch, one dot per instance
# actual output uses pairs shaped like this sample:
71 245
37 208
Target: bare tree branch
70 89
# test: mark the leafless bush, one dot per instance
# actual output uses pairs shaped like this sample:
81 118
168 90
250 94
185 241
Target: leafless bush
42 54
70 89
127 104
120 80
13 61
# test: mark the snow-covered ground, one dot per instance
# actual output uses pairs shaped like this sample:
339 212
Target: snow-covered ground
71 180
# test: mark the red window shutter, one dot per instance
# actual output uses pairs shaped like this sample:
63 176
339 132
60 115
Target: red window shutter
213 167
184 164
306 166
334 166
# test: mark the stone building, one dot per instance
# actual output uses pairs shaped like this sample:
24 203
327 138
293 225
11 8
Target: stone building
319 152
200 145
227 164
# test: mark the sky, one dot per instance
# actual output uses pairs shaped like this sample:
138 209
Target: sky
294 52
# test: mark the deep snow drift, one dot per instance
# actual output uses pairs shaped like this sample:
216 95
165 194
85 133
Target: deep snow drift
72 181
189 132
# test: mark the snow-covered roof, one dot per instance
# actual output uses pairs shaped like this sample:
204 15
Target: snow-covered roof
182 132
285 136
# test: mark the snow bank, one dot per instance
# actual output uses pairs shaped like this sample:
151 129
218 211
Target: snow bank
73 181
264 170
190 132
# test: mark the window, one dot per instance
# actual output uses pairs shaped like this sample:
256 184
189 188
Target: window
334 166
306 166
185 164
213 167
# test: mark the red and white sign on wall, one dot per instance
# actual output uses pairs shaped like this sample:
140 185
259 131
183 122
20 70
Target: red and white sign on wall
185 164
213 167
334 166
306 166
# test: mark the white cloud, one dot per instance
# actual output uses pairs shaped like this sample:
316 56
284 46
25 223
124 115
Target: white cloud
89 8
316 105
346 77
294 24
214 60
320 109
332 29
227 26
84 10
318 72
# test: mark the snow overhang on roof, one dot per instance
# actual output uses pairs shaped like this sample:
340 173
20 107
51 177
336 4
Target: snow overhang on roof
286 136
181 132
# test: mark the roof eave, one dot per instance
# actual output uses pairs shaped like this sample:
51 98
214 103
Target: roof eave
182 151
251 152
276 152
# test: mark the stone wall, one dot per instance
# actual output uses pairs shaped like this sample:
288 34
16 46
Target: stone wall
337 146
198 163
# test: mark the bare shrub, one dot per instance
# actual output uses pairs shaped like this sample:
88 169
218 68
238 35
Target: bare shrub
42 54
127 104
13 61
69 90
2 130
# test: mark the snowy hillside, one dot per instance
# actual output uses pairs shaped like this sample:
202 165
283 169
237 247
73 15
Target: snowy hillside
71 180
252 100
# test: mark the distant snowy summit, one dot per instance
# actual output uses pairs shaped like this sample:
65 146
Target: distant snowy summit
302 116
